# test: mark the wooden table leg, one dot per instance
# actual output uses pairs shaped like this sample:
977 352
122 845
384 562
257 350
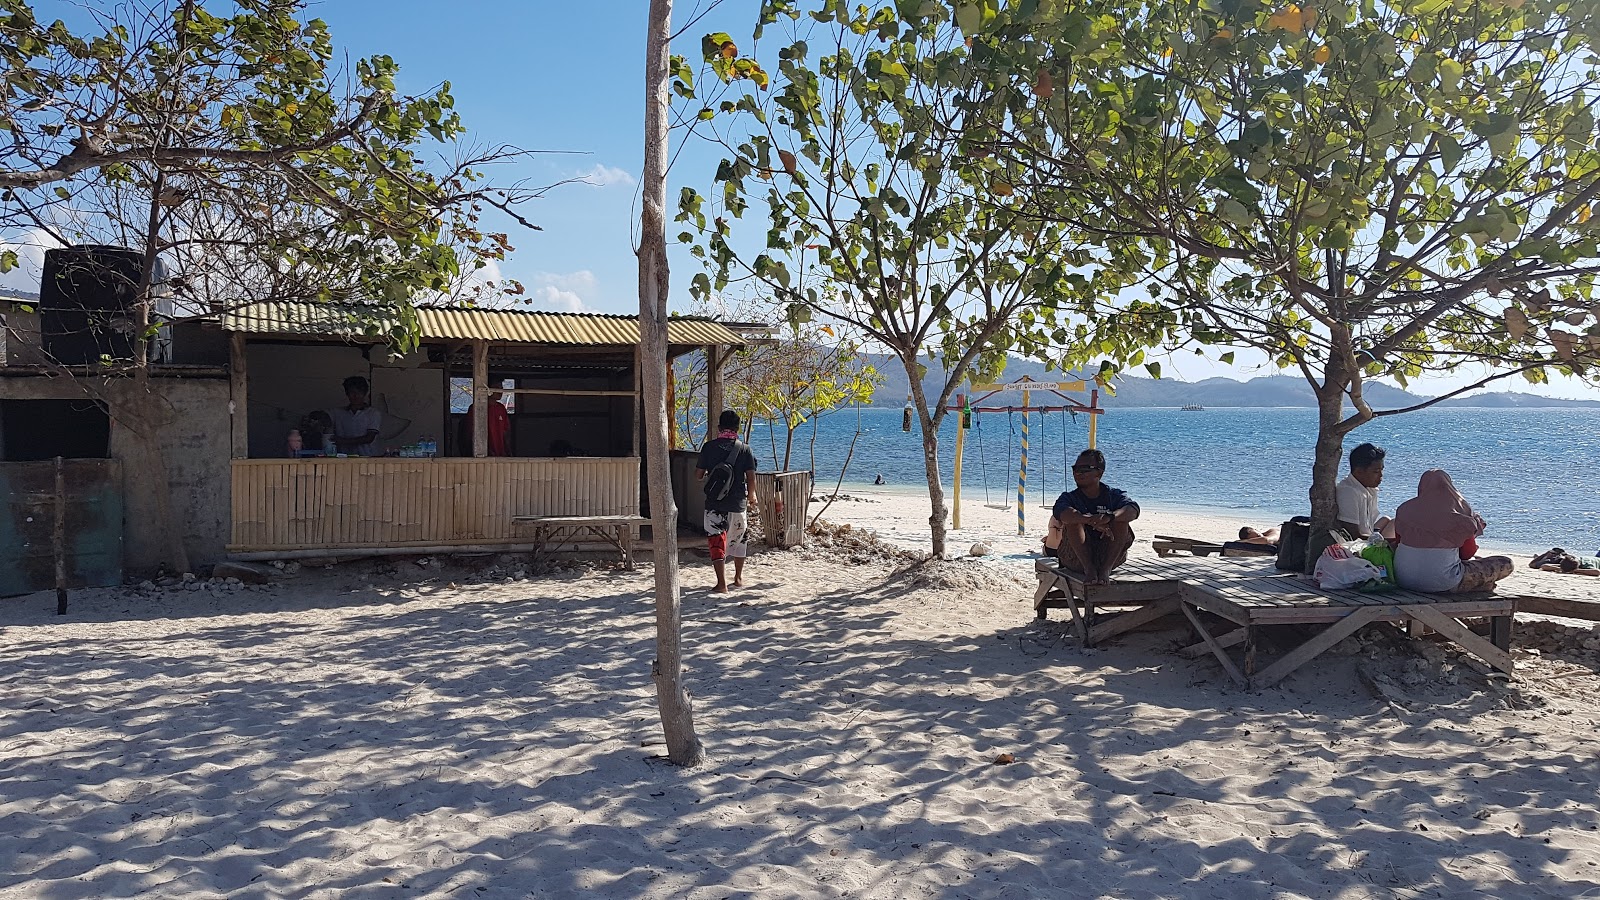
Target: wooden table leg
1077 614
1216 649
625 541
1500 630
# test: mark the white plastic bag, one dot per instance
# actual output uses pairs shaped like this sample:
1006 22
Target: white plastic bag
1339 568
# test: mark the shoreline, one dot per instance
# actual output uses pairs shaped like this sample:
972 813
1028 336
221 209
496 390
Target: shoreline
1210 522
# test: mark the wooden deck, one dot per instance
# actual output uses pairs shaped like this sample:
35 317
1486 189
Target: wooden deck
1252 593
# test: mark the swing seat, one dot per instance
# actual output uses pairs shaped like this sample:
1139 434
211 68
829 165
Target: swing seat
998 505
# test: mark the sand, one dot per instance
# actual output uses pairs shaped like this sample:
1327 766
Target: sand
385 730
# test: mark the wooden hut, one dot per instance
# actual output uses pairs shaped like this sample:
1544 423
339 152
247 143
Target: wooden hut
570 382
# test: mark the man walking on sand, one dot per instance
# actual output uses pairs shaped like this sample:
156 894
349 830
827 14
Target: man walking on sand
1094 522
727 472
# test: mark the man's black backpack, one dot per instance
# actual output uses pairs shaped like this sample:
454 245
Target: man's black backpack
722 477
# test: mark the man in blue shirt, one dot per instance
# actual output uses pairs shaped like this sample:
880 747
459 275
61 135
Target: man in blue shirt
1094 522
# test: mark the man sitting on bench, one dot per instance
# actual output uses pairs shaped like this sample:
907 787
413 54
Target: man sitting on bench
1093 520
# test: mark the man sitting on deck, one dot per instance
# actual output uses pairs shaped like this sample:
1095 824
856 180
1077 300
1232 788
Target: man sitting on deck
1094 522
1358 494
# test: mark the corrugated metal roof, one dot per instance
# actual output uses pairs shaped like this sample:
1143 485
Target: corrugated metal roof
503 326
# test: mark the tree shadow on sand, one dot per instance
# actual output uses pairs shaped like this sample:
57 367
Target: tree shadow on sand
494 747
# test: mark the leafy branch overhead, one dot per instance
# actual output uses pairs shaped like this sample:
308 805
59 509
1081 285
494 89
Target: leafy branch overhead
849 175
1419 175
252 136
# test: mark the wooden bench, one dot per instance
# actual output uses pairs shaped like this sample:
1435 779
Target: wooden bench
1250 594
614 530
1167 544
1140 593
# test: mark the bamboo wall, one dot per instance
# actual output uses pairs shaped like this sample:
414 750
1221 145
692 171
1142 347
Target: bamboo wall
794 488
302 504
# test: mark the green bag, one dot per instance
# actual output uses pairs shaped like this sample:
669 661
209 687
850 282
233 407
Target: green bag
1382 556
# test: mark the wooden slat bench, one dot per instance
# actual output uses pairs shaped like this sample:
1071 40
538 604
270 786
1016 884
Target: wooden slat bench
1251 593
1142 591
614 530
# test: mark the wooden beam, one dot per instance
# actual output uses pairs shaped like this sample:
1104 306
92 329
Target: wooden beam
1459 633
638 390
1551 606
1216 649
1313 648
574 392
480 399
239 398
1133 618
715 359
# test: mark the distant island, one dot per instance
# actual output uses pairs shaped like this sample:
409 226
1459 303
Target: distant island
1134 391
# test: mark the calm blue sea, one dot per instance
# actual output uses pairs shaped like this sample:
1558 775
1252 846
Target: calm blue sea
1529 472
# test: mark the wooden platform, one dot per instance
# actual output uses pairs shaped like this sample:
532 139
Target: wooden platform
1251 593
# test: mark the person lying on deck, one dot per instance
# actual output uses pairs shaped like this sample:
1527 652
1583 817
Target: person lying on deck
1093 521
1268 538
1433 527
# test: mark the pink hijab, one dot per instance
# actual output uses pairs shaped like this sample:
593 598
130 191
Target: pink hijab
1438 516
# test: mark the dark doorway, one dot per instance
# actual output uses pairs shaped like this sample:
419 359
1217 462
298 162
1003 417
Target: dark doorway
33 430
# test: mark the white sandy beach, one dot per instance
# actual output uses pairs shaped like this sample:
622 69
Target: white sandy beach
384 730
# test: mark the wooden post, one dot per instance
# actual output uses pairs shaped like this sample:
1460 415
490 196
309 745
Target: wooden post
58 539
638 393
714 361
961 435
672 407
1094 418
480 399
239 403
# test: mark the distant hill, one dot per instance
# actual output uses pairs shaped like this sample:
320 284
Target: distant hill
1266 391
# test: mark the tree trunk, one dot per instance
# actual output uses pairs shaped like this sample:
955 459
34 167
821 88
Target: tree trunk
1329 448
141 404
930 457
788 444
677 714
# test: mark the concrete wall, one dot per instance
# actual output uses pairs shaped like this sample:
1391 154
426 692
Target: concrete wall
195 447
285 381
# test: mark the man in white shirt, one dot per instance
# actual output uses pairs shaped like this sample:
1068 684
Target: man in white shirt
355 427
1358 494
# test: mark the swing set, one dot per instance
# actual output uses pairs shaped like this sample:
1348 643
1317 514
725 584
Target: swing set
970 412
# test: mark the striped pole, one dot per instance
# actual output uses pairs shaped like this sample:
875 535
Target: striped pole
1022 471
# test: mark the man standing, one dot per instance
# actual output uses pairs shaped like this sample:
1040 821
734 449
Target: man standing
355 427
499 425
1358 494
1094 522
727 470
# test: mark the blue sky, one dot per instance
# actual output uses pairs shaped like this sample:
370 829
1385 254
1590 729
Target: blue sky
567 79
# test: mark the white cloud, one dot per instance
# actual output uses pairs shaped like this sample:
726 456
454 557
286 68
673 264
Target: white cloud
554 298
605 176
30 246
568 292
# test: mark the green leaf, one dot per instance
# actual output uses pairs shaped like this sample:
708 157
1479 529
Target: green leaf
1154 368
1226 358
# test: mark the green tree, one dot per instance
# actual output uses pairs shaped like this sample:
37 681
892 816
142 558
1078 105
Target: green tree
796 379
872 215
227 149
1357 190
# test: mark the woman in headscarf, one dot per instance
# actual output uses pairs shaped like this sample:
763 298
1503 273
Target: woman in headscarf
1433 527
